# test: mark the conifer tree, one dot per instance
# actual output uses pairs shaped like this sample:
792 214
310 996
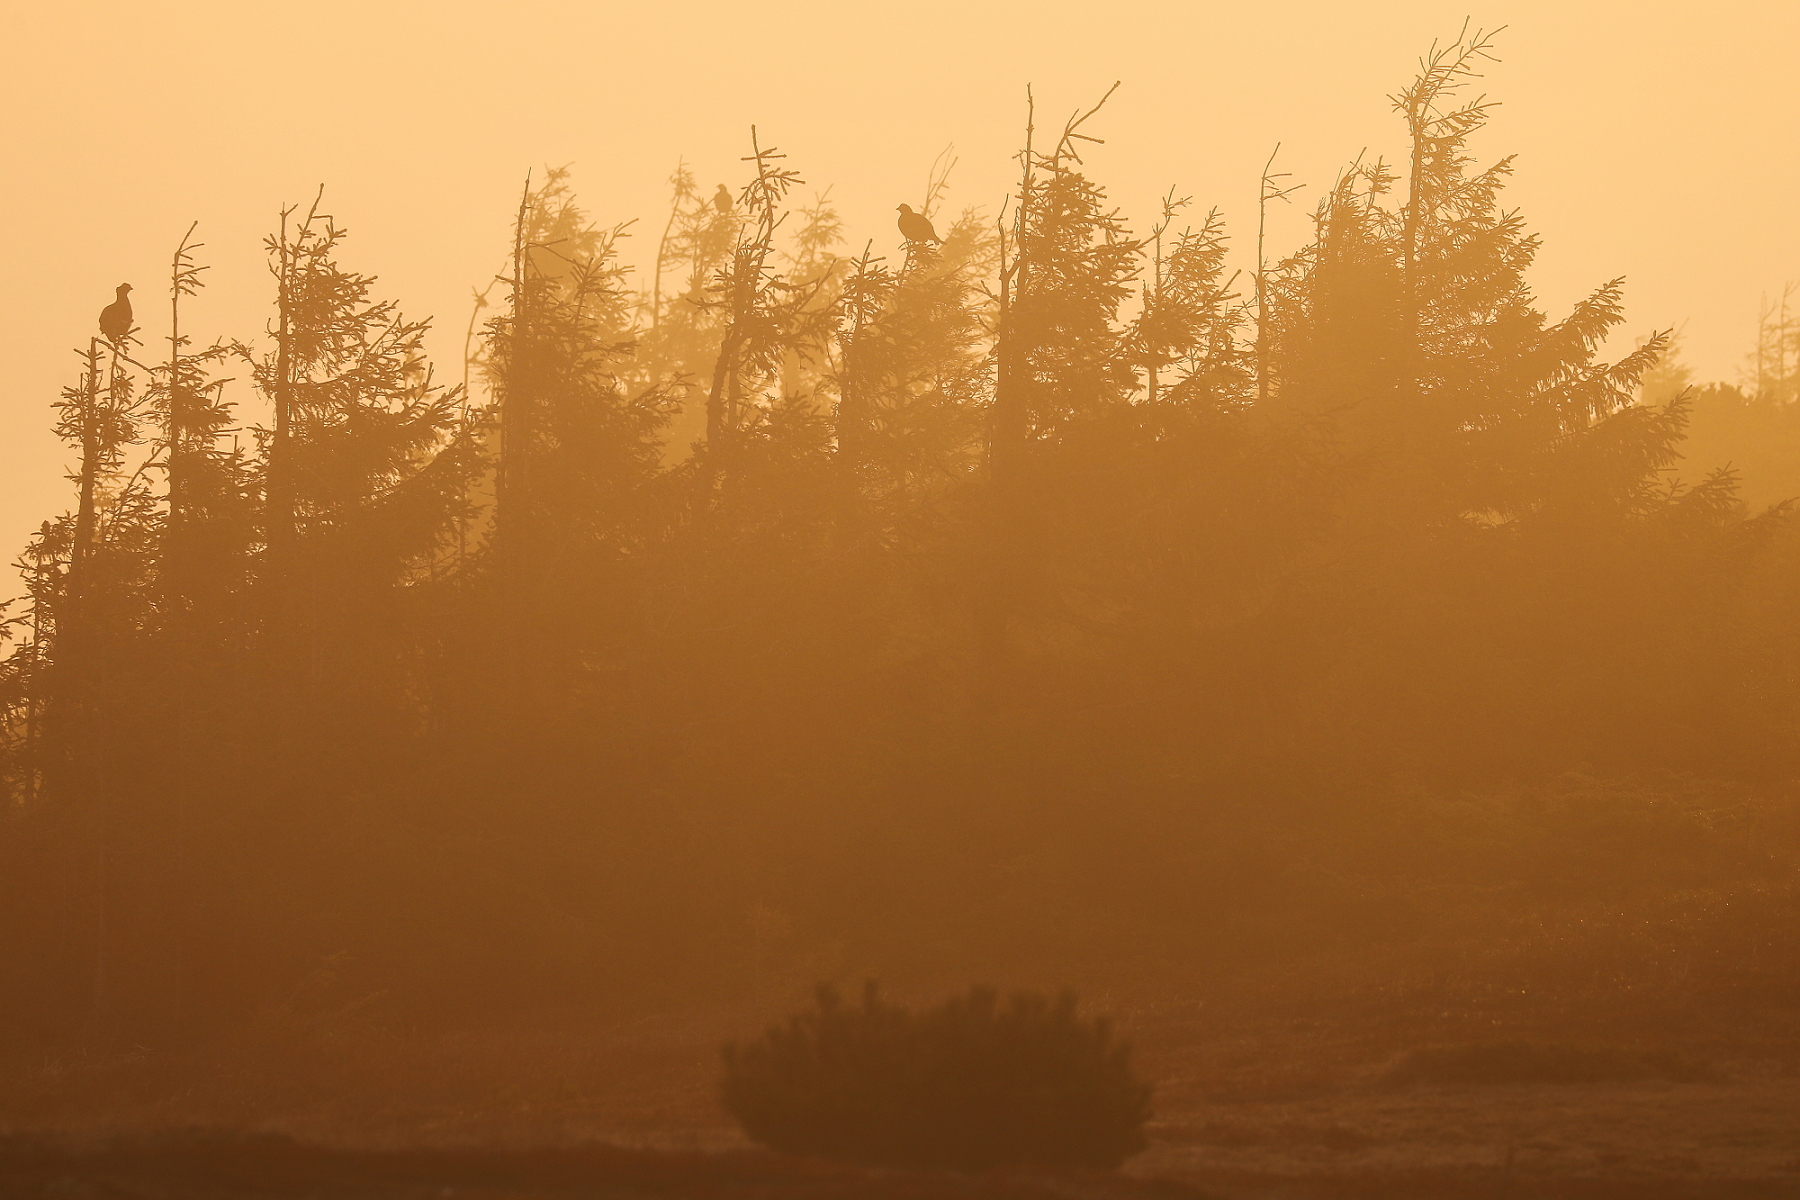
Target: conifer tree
1774 368
89 574
203 557
767 318
1062 370
1416 330
1464 417
914 378
206 534
579 440
1071 267
363 487
680 344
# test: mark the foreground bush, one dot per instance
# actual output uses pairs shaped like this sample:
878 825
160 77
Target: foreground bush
970 1084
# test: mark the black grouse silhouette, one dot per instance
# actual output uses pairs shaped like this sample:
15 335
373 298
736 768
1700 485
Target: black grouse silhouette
115 318
722 200
916 227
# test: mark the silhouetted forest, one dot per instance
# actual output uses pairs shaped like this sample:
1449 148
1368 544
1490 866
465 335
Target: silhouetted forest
1043 595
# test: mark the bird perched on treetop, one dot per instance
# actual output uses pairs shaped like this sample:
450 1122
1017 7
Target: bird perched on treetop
916 227
115 318
722 200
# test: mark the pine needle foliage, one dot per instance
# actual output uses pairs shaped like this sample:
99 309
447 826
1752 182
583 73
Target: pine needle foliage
974 1083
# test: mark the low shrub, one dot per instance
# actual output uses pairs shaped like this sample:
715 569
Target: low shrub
971 1084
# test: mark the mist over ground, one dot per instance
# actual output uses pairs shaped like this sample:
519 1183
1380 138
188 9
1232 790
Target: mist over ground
1330 631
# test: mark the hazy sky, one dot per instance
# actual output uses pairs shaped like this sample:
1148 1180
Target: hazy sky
1656 141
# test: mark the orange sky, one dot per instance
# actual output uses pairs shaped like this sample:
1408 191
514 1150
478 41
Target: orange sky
1655 141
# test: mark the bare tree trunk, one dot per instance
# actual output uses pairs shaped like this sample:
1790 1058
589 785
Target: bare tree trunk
280 500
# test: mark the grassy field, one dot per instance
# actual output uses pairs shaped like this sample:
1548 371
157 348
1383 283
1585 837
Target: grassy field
1262 1091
